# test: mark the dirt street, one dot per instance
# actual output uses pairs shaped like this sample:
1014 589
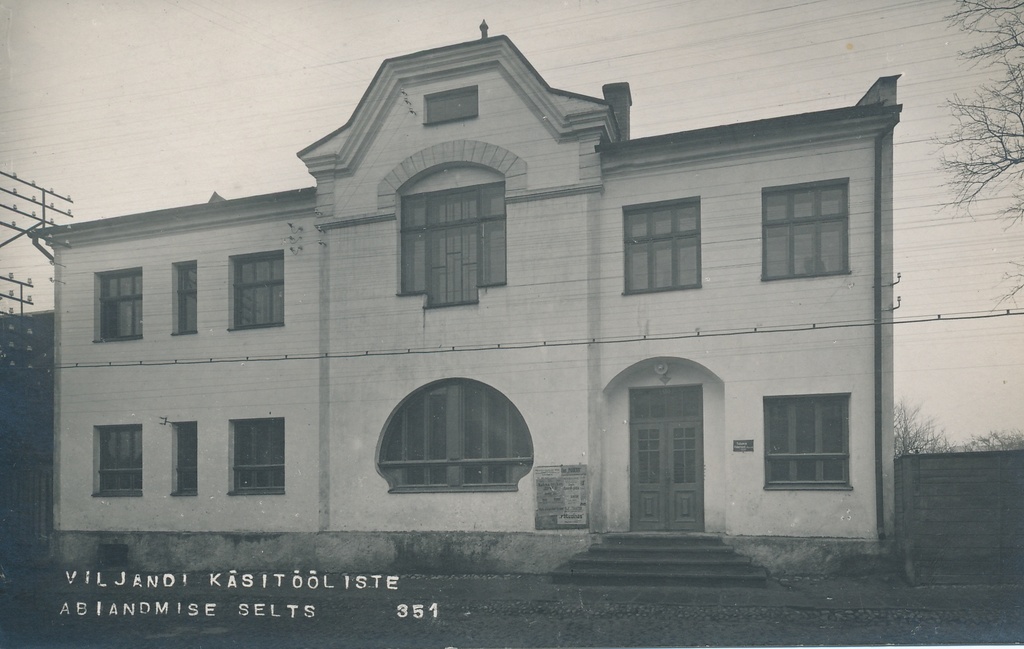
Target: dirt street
508 611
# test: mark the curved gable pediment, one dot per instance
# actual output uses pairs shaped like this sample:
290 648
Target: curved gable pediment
564 115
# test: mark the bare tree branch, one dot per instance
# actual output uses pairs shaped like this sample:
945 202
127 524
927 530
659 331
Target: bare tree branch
1015 280
915 433
984 154
996 440
1000 21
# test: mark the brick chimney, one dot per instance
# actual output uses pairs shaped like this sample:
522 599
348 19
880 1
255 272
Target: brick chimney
618 95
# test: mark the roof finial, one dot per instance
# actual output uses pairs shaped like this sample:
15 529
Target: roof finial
483 30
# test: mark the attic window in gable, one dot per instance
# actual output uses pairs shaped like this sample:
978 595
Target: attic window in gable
450 105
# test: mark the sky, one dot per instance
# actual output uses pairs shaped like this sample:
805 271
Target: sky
137 105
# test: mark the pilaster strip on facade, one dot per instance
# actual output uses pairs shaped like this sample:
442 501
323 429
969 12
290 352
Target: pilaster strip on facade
324 391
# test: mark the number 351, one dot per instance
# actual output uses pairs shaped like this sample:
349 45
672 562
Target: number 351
417 611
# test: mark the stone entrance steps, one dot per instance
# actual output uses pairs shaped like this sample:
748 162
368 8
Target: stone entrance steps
663 560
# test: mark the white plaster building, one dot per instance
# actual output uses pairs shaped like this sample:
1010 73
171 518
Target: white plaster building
490 280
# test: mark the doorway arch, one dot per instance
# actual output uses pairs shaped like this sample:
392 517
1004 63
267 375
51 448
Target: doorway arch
663 464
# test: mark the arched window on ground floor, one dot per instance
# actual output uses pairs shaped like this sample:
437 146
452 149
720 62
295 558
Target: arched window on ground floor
455 435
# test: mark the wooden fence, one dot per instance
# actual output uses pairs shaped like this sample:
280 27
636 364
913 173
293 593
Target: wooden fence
960 517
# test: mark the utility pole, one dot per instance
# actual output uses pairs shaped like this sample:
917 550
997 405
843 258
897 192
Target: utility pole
20 297
39 208
26 375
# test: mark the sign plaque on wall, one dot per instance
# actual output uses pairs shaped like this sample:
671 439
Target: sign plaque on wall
561 497
742 446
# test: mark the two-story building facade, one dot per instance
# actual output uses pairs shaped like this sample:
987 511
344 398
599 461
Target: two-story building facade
490 284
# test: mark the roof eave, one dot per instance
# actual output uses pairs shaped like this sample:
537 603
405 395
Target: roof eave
875 117
184 217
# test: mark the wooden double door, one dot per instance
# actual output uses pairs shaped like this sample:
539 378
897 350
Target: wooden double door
666 459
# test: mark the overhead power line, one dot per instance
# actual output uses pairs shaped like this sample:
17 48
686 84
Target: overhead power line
521 345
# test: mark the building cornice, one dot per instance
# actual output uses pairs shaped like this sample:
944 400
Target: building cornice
749 137
512 197
554 192
354 221
192 218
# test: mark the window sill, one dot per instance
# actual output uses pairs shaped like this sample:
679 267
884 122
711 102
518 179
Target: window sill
117 494
257 492
451 120
184 333
177 494
118 339
428 305
411 489
449 304
804 486
667 289
269 325
810 276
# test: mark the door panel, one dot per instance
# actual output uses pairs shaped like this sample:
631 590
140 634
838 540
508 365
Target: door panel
666 464
686 490
648 456
683 507
649 501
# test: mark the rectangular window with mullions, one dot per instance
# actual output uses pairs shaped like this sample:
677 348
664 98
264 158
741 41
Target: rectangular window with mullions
185 291
450 105
186 458
120 304
119 460
453 242
805 230
258 284
662 246
807 441
258 456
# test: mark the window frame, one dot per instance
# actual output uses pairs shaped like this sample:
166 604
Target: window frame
790 222
109 305
186 320
102 458
455 470
241 429
447 102
185 458
818 456
490 227
650 240
238 286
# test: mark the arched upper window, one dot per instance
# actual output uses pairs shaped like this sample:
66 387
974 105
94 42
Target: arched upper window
456 435
453 241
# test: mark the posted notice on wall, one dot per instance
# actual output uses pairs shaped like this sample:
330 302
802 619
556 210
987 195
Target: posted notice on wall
561 497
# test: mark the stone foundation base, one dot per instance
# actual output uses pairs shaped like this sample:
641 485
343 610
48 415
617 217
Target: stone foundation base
817 556
396 552
424 552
